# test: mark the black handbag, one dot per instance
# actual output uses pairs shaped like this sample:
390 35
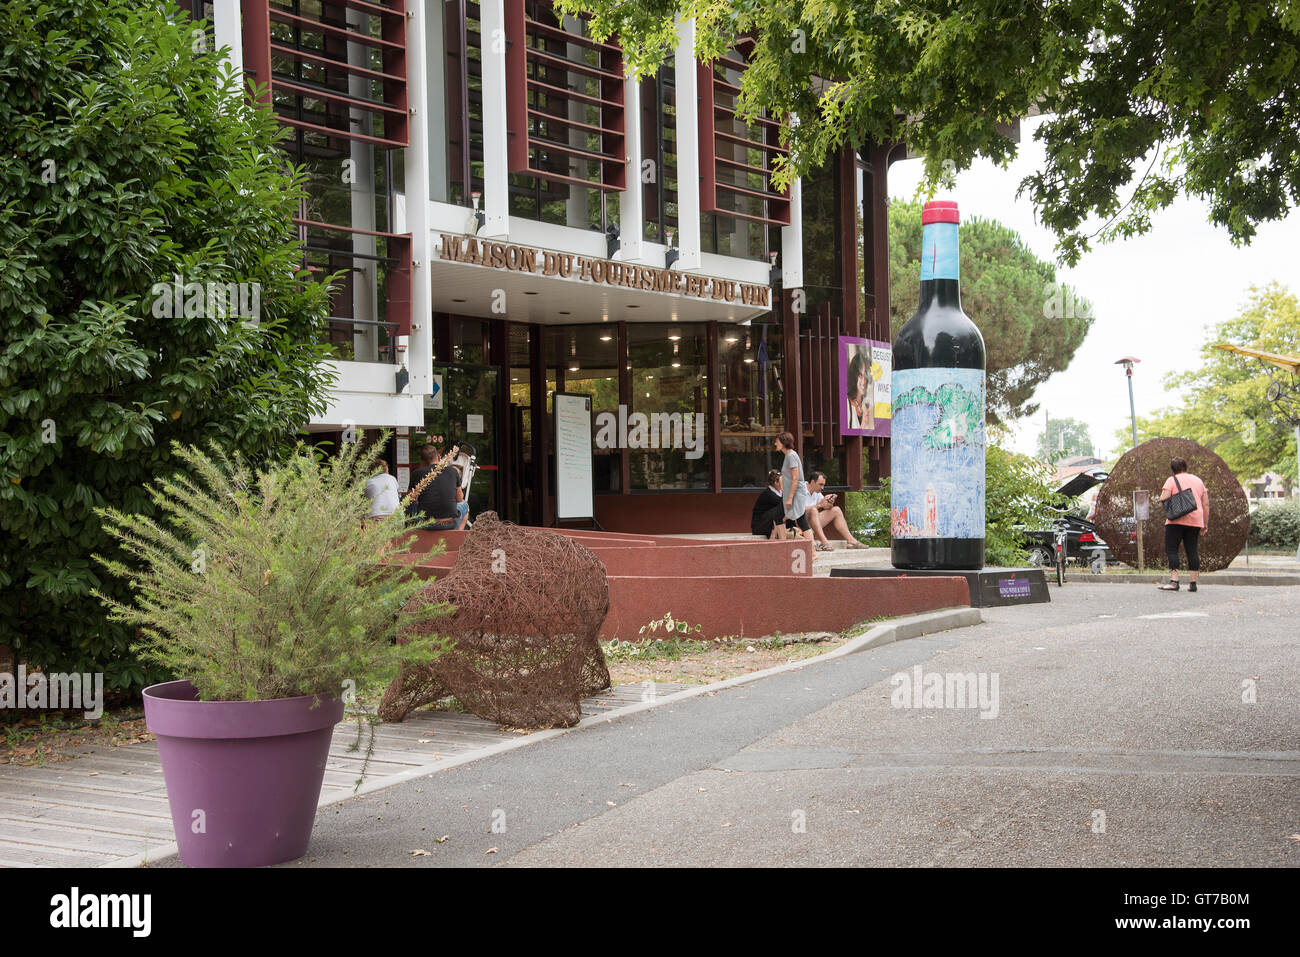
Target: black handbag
1183 503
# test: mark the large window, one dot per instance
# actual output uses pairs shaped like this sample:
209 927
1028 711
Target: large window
574 114
668 365
752 394
743 214
330 84
659 148
455 99
822 275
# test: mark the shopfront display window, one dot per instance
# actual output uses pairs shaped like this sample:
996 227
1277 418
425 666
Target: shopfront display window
752 394
668 365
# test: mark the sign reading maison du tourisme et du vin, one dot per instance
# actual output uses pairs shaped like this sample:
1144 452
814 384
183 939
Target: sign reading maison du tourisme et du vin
467 249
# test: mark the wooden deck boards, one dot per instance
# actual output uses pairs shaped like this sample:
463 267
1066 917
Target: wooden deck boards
108 804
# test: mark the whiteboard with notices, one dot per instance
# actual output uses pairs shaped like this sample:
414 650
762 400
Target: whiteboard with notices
574 462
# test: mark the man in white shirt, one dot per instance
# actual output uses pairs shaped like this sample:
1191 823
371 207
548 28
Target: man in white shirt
822 512
381 489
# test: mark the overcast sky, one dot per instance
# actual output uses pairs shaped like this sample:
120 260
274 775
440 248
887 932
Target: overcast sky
1153 296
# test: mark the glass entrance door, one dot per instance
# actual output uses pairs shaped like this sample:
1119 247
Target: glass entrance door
463 408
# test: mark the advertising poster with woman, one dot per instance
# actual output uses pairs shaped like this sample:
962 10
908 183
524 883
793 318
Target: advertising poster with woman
864 386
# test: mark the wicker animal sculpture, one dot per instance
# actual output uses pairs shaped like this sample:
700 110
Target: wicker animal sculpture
527 609
1147 467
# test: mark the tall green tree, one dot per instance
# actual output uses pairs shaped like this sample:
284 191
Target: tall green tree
1063 437
1225 405
1032 325
130 160
1146 99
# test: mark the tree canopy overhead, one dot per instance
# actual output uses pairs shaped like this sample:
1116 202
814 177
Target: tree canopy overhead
1147 99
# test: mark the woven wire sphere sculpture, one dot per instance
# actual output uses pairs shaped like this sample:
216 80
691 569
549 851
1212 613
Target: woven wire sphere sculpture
1147 467
527 609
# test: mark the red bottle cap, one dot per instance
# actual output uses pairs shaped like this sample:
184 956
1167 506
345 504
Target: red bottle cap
940 211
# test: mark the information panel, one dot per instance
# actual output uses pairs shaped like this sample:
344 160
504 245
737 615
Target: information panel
573 457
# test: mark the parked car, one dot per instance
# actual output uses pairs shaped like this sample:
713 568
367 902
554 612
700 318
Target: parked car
1082 543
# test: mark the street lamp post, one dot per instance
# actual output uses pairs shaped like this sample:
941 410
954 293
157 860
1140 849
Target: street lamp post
1127 362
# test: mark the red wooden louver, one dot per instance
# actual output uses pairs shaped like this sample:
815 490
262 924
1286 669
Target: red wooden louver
729 186
551 74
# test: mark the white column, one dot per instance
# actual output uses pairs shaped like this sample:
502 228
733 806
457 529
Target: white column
631 213
792 241
688 149
419 352
496 173
228 30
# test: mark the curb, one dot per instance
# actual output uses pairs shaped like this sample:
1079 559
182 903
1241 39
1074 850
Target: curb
900 629
1209 578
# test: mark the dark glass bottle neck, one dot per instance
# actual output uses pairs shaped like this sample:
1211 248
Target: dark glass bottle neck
939 293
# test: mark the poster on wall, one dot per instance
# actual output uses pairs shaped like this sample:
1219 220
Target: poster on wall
864 396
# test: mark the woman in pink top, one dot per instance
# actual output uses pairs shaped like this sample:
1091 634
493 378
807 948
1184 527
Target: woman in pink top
1185 530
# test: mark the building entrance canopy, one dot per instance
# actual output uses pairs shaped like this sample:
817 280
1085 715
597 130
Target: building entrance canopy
488 279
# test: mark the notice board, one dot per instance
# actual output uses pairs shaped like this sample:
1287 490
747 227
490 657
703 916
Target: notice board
574 462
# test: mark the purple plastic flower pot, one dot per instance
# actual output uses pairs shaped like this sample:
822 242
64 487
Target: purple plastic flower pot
243 777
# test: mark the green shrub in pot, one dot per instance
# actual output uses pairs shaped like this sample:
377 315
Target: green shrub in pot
258 584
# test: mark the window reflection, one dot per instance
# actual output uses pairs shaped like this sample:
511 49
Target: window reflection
752 401
669 369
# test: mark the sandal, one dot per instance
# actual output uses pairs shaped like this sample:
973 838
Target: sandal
824 548
1172 585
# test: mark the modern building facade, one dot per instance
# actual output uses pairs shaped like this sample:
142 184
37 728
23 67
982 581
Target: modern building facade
512 215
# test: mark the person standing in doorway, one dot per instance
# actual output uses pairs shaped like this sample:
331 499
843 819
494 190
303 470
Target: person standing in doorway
1185 530
794 489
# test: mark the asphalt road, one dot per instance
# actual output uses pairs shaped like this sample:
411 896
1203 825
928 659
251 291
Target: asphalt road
1119 739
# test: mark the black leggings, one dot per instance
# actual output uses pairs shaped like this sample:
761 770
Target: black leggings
1187 535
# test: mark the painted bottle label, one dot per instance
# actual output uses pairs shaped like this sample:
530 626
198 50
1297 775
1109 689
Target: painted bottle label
937 454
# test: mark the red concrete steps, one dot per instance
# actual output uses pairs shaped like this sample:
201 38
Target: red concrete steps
728 587
693 558
701 559
754 606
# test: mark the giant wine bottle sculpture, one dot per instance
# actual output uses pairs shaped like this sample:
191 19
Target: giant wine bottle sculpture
937 445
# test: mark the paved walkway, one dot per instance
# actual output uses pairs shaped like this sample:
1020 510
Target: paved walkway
108 806
1122 737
